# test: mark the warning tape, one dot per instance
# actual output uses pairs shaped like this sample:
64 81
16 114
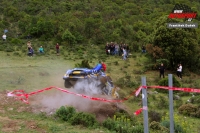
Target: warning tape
21 95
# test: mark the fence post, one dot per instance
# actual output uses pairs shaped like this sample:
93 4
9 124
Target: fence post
171 114
144 102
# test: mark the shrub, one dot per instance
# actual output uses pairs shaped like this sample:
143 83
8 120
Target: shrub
116 63
85 119
164 61
9 49
110 124
16 41
195 100
197 113
155 125
177 127
119 126
162 103
137 129
187 109
164 82
178 103
154 116
2 47
84 64
65 113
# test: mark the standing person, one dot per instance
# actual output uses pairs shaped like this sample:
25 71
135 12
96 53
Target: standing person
143 49
4 37
179 71
29 45
116 49
106 48
31 52
57 49
162 70
124 54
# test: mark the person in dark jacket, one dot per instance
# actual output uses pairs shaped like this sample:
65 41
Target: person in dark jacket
162 70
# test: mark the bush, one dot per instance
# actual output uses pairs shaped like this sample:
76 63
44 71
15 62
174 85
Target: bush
137 129
155 125
116 63
9 49
195 100
164 82
164 61
162 103
83 64
154 116
65 113
16 41
110 124
197 113
85 119
2 47
121 127
177 127
178 103
187 109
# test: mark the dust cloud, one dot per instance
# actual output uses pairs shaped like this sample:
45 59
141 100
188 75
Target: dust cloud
51 100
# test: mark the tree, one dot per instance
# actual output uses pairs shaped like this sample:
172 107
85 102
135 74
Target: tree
180 45
67 35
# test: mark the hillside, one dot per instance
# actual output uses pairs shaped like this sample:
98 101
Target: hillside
87 21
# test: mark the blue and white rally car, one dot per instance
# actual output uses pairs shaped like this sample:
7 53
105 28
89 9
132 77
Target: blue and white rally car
91 75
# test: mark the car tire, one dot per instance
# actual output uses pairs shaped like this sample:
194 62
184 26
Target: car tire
67 84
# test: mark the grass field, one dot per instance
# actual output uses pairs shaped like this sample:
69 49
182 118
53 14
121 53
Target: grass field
34 73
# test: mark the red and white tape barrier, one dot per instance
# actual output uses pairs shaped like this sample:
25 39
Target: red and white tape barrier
21 95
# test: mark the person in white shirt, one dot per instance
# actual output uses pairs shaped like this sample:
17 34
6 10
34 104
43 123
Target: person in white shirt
4 37
179 71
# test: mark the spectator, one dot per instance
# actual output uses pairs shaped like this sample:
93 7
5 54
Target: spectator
127 50
116 49
28 36
30 52
41 49
29 45
57 49
106 48
143 49
121 50
179 71
4 37
124 54
162 70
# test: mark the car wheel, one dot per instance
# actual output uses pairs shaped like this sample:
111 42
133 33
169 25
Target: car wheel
67 84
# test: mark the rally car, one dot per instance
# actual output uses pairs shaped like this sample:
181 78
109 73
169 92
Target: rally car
72 76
